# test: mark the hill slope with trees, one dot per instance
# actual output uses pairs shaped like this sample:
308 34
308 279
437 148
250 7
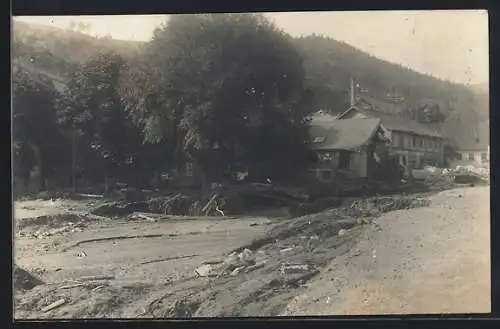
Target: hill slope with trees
165 96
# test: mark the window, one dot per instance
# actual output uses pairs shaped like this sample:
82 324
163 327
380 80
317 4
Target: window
459 156
403 160
398 139
422 142
344 159
325 156
484 156
470 156
414 141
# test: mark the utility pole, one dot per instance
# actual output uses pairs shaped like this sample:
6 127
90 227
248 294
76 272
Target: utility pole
352 92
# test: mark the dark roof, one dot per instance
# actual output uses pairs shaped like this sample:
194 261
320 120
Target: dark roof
345 134
395 122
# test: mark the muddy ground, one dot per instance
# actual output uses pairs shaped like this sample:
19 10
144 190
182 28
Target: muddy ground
430 260
127 267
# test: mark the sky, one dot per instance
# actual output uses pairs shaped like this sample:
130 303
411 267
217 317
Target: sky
449 44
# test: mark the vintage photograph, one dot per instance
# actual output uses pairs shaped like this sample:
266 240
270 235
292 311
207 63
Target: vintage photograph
250 164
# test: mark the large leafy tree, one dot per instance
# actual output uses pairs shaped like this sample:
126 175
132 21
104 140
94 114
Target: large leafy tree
92 113
37 140
222 89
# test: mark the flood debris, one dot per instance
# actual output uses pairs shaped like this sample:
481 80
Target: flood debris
54 305
96 278
205 270
294 268
81 254
237 270
255 267
247 257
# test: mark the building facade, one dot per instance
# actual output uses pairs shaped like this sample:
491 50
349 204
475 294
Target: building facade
479 157
414 145
346 148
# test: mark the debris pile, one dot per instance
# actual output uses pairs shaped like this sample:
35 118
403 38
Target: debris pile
119 208
71 227
53 224
177 204
471 175
233 264
372 207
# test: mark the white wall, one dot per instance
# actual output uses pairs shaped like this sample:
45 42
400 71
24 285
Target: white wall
477 161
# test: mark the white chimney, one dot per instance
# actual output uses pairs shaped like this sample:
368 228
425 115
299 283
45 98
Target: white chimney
352 93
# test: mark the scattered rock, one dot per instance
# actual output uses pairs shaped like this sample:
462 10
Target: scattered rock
81 254
357 252
342 232
255 267
204 270
237 271
231 259
294 268
247 257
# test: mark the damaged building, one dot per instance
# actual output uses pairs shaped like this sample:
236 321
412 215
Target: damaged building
349 148
412 143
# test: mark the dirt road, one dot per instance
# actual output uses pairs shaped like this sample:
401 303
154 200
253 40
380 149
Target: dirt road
419 261
143 251
431 259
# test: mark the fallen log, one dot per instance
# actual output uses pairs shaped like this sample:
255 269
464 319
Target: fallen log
140 215
96 196
72 286
54 305
97 278
157 216
113 238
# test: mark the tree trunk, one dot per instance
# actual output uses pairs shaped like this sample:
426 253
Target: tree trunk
38 159
106 185
202 176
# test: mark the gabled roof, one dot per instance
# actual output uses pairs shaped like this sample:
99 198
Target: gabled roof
394 122
347 134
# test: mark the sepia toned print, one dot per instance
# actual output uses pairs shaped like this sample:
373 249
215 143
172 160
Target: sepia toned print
256 164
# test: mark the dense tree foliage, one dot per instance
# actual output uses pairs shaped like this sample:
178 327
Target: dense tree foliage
222 90
37 141
91 112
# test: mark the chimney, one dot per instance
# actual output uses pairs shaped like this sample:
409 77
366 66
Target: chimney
352 93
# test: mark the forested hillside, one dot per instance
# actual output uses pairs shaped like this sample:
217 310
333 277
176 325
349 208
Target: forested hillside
328 64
